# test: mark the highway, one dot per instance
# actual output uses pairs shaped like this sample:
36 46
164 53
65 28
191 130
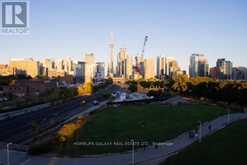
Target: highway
20 128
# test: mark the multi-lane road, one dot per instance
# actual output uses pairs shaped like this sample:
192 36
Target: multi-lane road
20 129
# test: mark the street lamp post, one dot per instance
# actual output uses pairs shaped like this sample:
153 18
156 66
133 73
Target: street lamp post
200 131
8 154
133 151
1 158
228 116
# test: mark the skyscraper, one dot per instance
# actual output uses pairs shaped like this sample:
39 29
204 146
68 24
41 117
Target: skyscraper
225 68
149 68
69 66
111 56
124 64
80 72
239 73
28 66
159 67
198 65
59 65
100 71
228 70
193 66
129 71
89 67
49 64
166 67
66 65
215 72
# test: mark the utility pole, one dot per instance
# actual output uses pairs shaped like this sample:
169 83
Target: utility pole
8 154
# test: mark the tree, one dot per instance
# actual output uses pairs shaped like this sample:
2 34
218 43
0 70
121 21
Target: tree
68 130
69 92
232 92
86 89
145 84
132 86
180 84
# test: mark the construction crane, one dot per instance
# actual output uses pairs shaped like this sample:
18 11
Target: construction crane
139 68
143 48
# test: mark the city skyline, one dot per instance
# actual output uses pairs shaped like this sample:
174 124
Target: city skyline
175 29
125 66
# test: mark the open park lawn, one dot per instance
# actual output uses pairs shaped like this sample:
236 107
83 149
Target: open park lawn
228 147
146 124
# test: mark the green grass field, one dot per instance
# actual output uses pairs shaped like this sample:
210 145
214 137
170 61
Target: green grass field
143 123
226 147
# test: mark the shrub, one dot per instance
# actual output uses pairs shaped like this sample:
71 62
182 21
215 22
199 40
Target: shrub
68 130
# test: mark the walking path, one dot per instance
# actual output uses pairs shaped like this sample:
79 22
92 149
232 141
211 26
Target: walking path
149 156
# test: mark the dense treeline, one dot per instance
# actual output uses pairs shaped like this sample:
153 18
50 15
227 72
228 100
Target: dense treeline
217 90
200 87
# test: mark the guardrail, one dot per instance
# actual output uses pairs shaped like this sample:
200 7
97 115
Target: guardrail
23 111
15 147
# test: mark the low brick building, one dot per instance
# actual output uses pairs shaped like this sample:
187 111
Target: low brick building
32 87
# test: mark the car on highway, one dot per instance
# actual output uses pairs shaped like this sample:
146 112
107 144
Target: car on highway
191 134
95 102
83 102
114 94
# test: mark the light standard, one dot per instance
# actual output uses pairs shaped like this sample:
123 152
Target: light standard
200 131
8 155
1 158
228 116
133 151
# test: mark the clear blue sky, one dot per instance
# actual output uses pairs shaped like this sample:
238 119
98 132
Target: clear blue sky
177 28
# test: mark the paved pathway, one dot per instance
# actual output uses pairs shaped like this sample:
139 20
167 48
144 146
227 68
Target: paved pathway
149 156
